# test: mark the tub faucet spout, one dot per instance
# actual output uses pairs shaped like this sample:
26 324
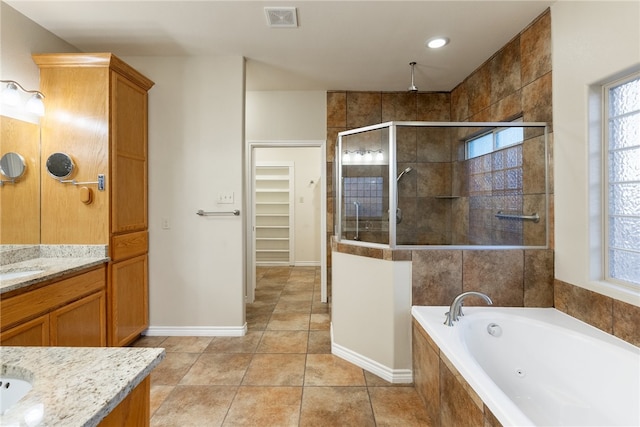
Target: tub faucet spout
455 310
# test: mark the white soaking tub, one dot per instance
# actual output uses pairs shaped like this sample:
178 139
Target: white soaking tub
539 366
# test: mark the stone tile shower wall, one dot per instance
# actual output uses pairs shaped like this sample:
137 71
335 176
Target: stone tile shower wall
516 81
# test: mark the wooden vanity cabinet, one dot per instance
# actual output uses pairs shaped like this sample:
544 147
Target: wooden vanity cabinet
34 332
97 113
70 312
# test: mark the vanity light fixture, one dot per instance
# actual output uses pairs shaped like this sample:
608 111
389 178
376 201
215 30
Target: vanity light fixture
363 156
11 96
437 42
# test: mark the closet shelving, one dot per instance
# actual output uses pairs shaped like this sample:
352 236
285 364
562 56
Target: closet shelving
273 214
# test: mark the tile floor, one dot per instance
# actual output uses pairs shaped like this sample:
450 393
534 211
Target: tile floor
282 373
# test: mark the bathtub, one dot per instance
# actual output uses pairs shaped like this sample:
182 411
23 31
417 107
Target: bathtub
539 366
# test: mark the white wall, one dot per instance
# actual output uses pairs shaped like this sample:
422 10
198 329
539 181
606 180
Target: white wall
286 115
19 38
591 41
295 117
371 314
196 150
307 204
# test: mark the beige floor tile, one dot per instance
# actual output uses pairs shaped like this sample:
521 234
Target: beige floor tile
320 307
319 342
320 322
330 370
336 406
284 306
398 406
297 295
276 375
265 406
218 369
375 381
171 370
146 341
258 322
186 344
283 342
275 370
245 344
194 406
158 395
277 273
267 295
289 322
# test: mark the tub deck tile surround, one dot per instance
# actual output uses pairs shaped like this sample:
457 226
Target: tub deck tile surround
426 371
457 407
612 316
448 399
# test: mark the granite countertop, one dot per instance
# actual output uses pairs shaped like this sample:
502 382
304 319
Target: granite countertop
74 386
48 261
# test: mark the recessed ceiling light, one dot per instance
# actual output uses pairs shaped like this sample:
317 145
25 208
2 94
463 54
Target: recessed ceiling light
437 42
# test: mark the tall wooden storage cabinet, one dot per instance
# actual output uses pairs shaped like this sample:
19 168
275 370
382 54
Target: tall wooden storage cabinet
96 111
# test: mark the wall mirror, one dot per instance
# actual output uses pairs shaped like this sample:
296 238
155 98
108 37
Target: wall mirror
60 165
20 204
12 165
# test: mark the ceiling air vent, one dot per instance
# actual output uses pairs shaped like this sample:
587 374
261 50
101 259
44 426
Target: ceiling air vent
281 17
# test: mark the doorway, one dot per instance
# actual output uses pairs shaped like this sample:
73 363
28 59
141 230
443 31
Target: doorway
307 202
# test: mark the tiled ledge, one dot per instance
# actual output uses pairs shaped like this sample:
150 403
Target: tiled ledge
372 252
607 314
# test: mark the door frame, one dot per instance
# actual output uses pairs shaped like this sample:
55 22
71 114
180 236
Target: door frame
250 162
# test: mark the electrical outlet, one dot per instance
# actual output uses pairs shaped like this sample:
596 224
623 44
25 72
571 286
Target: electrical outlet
165 224
225 197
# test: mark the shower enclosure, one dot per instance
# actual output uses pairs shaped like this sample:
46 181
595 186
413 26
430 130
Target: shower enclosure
443 184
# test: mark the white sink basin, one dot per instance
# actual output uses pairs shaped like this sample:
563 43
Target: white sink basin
18 274
11 391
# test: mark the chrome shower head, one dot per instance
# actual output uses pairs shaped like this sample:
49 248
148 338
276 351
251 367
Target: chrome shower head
413 87
407 170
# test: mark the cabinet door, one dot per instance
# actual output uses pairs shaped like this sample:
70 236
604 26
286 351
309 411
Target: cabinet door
32 333
81 323
128 300
129 156
134 410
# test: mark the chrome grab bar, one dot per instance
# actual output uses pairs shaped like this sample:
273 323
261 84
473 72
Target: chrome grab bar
234 212
533 217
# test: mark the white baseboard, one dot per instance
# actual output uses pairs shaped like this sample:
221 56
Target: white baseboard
307 264
196 331
395 376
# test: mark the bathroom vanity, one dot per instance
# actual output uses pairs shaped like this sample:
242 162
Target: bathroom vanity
48 299
97 116
88 387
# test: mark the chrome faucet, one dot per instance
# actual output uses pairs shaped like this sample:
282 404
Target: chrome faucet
455 310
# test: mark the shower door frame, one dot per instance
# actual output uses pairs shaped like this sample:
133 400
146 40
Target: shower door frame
392 126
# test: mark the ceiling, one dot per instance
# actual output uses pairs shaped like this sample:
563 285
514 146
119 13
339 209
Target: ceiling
338 45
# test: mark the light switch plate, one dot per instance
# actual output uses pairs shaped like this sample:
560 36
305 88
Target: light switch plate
225 197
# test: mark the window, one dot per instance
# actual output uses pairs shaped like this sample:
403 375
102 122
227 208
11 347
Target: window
363 196
493 141
621 178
